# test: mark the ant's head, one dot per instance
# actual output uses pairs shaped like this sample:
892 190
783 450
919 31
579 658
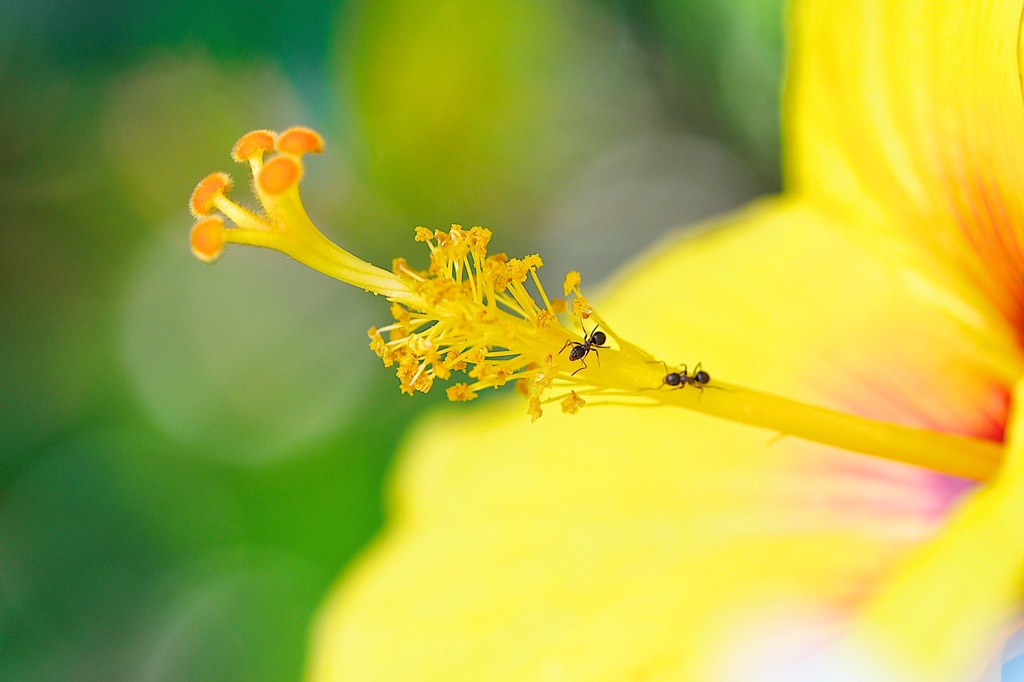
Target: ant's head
578 352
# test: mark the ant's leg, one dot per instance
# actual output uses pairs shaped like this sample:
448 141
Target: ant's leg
598 356
581 368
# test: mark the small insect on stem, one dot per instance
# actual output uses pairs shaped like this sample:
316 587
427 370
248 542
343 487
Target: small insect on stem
591 342
699 378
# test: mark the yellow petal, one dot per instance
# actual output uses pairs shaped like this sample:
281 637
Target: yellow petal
938 617
654 543
909 114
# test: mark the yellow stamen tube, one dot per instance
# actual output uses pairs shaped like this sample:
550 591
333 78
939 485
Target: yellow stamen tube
472 312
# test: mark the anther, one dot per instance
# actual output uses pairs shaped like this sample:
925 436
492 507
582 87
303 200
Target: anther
279 175
255 143
581 307
207 239
572 281
460 393
298 141
214 184
572 403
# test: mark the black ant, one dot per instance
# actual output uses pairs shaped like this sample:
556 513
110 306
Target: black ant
699 378
591 342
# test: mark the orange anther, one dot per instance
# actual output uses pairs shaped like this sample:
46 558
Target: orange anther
253 144
279 175
208 188
300 141
207 239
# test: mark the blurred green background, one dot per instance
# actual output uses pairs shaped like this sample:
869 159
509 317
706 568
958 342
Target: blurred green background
191 454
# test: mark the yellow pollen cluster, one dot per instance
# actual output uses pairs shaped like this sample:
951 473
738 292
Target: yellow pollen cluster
471 312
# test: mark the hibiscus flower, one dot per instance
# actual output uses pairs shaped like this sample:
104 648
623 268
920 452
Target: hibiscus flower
617 542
